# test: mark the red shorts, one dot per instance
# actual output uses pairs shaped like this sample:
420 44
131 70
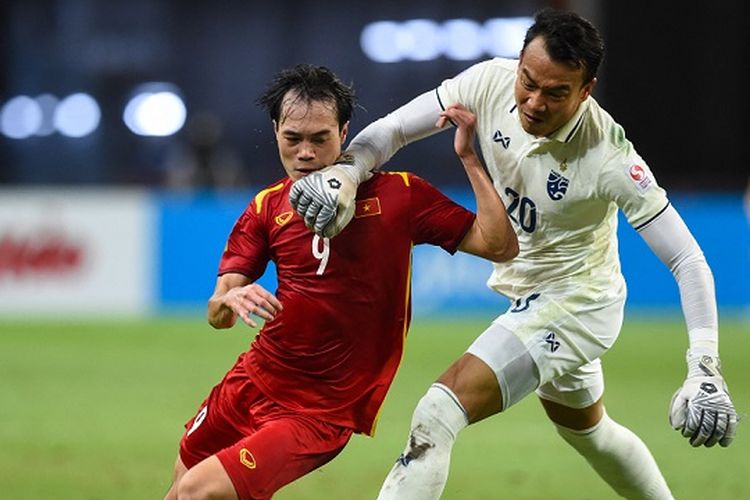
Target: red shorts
262 445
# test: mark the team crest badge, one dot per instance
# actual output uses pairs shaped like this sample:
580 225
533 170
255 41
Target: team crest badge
557 185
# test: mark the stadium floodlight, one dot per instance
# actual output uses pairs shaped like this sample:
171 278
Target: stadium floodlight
20 117
425 37
503 37
156 110
47 104
77 115
379 41
463 39
457 39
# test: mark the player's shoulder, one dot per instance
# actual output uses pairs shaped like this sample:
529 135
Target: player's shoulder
497 67
397 179
605 126
273 194
503 64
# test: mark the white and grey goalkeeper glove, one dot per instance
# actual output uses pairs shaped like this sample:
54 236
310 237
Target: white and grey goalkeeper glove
326 199
702 408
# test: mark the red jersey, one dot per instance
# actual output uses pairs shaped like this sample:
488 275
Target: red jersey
334 349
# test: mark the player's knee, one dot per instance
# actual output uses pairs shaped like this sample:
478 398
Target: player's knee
575 418
596 438
195 486
172 493
191 488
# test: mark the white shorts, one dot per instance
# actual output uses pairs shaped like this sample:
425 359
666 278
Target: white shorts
551 341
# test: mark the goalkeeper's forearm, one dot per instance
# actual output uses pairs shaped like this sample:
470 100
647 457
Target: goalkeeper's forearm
381 139
672 242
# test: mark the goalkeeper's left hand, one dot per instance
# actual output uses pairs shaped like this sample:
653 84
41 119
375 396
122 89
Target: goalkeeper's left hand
702 408
326 199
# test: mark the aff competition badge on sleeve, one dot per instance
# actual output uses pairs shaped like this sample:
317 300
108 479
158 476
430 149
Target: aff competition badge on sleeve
640 177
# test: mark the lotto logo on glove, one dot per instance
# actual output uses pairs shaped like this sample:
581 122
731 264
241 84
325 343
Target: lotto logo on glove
702 409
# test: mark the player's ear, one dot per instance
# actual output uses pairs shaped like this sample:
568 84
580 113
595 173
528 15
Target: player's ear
587 89
275 126
344 132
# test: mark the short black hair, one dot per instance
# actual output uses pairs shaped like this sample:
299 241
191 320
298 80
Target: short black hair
309 83
569 38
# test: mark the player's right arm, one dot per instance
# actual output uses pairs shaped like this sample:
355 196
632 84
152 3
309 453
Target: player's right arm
235 296
327 209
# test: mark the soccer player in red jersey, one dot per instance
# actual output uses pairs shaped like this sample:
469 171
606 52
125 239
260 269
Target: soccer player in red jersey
334 331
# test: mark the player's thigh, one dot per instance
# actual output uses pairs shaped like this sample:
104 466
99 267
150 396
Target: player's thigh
282 450
544 337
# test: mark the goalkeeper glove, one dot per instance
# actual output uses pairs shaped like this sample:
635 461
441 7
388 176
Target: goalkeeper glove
326 199
702 408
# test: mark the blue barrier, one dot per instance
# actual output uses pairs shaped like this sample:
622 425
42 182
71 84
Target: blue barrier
193 229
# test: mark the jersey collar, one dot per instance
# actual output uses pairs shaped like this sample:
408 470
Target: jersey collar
566 132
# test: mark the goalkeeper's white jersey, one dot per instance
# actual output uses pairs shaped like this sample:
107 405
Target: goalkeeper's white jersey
562 192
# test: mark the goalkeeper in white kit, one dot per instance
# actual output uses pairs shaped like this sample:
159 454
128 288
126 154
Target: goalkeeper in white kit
564 168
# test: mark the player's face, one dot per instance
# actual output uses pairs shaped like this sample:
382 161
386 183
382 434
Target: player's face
308 136
548 93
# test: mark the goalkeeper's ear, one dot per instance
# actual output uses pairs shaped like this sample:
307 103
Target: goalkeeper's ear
343 133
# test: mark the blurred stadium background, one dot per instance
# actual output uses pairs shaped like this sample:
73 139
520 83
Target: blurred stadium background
130 142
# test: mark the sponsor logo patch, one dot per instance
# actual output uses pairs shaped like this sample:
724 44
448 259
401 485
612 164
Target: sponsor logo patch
640 177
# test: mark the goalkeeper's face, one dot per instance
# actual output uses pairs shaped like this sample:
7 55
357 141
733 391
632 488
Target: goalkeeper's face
548 93
308 135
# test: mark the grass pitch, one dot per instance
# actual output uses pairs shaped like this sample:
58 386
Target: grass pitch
94 410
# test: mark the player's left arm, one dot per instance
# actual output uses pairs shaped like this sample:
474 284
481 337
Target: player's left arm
702 408
491 236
